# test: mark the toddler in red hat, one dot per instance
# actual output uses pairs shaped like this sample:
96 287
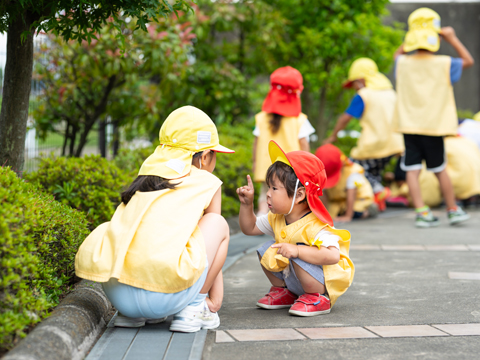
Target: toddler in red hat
280 120
348 193
308 263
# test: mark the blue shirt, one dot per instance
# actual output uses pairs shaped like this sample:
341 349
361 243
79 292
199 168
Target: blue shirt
357 106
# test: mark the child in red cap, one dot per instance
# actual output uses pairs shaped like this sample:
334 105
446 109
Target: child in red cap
349 194
280 120
307 263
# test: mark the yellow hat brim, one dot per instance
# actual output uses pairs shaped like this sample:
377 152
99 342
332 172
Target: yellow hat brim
222 149
427 39
277 154
168 162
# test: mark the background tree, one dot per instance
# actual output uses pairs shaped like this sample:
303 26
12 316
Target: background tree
84 82
71 19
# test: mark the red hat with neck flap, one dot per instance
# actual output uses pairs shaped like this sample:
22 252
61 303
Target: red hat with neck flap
310 172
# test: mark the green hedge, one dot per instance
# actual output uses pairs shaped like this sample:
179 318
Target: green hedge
39 238
91 184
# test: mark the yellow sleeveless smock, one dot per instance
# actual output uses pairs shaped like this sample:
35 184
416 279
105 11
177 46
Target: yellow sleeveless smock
337 195
338 277
153 242
286 138
425 101
377 139
463 168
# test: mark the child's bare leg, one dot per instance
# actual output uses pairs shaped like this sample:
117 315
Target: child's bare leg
216 235
215 295
273 279
414 188
447 188
308 282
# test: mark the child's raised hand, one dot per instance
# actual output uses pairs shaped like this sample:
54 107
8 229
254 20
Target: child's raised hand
447 32
287 250
245 193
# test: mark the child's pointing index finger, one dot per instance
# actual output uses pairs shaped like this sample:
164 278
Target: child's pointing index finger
249 182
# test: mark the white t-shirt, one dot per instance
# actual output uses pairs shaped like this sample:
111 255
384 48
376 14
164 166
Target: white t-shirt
327 238
471 130
355 181
305 131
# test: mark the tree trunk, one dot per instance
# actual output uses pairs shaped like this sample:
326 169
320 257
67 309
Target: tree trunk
116 138
16 93
65 139
322 121
102 138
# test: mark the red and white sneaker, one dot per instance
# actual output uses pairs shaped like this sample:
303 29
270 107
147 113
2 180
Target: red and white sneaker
311 305
277 298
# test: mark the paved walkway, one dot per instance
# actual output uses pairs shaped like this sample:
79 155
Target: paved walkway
415 295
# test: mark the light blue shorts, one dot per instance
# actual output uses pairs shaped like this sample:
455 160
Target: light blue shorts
135 302
292 282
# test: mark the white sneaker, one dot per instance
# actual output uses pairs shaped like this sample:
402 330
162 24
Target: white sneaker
194 318
125 321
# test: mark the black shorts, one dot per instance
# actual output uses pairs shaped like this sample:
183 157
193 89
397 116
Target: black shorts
423 147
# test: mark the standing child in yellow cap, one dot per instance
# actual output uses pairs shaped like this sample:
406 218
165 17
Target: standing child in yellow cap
426 110
282 120
374 106
163 250
308 263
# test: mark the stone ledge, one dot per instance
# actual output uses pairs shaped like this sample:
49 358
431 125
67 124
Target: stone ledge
70 330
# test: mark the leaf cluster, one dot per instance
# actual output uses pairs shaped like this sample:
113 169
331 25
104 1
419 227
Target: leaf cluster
90 184
39 238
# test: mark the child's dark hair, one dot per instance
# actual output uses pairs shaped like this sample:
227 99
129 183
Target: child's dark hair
286 176
145 183
274 123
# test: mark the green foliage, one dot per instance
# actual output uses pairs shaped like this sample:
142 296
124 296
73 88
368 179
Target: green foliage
82 19
39 238
90 184
88 81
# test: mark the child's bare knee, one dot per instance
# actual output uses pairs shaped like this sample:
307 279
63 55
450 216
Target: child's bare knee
218 221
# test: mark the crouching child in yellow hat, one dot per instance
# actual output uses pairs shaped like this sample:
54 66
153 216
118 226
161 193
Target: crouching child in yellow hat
164 248
308 263
426 110
374 106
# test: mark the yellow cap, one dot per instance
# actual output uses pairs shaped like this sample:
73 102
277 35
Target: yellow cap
423 30
186 131
365 68
277 154
476 116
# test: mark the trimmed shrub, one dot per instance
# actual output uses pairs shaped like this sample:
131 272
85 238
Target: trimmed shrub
39 238
90 184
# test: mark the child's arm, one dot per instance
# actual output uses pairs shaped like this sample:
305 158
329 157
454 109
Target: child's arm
448 33
304 144
351 194
342 121
215 295
398 52
247 218
311 254
216 203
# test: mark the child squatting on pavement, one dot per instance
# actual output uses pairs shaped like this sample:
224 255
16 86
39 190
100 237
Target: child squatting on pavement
426 110
163 250
307 263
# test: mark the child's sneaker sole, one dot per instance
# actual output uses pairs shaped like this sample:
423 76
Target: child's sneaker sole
304 313
459 219
272 307
181 327
424 224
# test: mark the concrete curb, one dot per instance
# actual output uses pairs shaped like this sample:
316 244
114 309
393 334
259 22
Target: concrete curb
71 329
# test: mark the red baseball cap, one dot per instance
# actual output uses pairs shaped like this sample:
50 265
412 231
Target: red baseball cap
310 172
331 157
284 96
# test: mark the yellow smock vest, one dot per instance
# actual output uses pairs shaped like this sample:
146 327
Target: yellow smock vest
153 242
337 196
425 101
463 168
286 138
338 277
378 139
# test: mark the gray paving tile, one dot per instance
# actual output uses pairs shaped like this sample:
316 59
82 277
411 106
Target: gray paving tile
463 275
113 344
180 346
150 342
